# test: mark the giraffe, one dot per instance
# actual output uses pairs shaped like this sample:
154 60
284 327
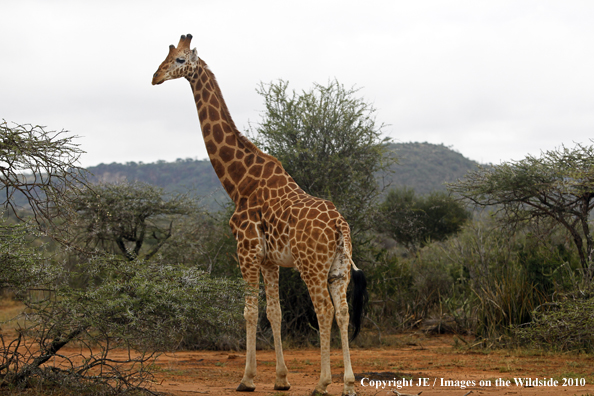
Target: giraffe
275 224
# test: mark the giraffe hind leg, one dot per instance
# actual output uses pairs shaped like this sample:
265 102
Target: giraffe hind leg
325 313
338 281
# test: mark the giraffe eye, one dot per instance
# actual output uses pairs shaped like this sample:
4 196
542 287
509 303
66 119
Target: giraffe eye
180 60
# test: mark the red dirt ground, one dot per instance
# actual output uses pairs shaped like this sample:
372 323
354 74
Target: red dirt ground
414 356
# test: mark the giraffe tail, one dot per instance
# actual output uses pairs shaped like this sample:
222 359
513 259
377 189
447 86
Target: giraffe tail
359 296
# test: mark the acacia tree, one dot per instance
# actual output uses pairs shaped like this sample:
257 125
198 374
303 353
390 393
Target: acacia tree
413 220
37 169
328 141
204 240
125 217
557 186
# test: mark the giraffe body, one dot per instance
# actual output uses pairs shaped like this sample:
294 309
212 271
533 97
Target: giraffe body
275 224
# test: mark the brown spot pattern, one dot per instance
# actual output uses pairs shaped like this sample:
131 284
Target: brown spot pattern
275 223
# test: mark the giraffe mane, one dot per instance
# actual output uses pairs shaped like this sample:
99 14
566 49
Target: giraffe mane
227 116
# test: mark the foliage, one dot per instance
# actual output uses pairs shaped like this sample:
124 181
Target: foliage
564 326
136 302
485 267
204 240
141 307
482 281
391 294
125 217
496 279
37 167
19 264
559 185
152 305
414 221
299 322
328 141
137 305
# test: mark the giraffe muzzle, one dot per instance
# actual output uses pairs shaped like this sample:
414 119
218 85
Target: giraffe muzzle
157 80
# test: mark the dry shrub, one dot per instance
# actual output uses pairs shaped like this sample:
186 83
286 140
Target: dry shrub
561 326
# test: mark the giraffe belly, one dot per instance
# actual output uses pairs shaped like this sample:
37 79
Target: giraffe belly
282 257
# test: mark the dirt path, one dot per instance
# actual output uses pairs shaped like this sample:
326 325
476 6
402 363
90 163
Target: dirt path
432 365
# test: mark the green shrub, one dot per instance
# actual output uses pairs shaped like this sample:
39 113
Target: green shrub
142 307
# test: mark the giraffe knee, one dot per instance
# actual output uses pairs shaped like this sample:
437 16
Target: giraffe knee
273 313
342 315
338 283
250 313
326 310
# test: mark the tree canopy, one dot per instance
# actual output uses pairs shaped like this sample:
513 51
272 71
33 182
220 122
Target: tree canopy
125 217
414 221
37 168
557 186
328 141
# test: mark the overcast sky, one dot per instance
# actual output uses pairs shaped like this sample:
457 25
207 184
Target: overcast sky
495 80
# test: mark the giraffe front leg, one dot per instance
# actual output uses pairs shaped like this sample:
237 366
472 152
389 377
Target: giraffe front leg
270 274
250 313
250 252
251 274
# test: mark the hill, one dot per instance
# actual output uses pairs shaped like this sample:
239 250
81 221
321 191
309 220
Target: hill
183 175
426 167
422 166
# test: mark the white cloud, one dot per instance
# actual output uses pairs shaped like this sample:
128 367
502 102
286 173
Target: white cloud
495 79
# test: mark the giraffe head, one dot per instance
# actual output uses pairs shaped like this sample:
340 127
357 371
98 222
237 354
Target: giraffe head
180 61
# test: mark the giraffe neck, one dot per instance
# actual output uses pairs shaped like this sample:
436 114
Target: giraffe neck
230 152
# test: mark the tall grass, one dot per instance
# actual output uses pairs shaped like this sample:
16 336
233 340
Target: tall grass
484 281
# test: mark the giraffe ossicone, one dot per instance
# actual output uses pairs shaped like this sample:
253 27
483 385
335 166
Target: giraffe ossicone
275 224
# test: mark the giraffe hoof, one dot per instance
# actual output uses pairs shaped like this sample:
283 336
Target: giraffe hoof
282 387
318 393
244 388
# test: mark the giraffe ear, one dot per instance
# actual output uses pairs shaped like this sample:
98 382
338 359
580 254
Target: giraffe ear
194 55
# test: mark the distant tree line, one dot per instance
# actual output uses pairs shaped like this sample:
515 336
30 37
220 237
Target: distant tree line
423 167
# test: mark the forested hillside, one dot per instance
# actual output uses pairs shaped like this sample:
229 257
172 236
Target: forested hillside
422 166
426 167
183 175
